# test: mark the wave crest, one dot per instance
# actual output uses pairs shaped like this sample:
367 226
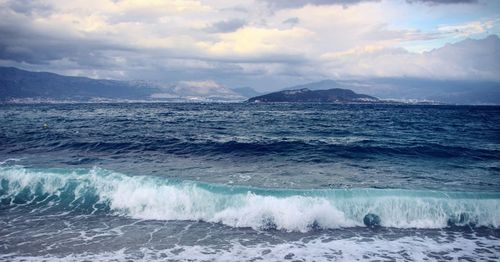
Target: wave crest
158 198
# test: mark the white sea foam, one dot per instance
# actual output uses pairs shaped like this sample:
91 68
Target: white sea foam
3 162
156 198
410 248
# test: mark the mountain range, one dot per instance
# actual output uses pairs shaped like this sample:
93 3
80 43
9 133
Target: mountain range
21 85
18 85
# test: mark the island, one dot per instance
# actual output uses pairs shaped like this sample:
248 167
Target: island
306 95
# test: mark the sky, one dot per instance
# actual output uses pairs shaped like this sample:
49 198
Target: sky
264 44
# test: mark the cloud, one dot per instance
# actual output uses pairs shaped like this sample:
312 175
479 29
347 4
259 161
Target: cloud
22 41
283 4
292 21
255 41
30 7
296 41
226 26
468 59
443 1
468 29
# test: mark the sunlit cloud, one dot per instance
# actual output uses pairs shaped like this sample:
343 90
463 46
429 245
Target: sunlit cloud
470 28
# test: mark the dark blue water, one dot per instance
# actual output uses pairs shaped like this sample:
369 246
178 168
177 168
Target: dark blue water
253 181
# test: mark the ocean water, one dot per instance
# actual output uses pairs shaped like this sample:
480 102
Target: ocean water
249 182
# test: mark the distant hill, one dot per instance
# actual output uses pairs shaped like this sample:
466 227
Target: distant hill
203 91
468 92
246 91
307 95
407 89
320 85
18 85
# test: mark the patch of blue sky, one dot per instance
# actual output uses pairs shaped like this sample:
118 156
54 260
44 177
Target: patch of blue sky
438 25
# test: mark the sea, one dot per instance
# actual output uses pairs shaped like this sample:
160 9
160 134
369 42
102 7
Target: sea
249 182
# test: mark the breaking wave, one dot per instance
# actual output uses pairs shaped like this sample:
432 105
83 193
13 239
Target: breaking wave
159 198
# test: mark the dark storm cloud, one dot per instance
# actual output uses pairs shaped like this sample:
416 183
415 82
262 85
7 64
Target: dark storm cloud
30 7
226 26
22 42
292 21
